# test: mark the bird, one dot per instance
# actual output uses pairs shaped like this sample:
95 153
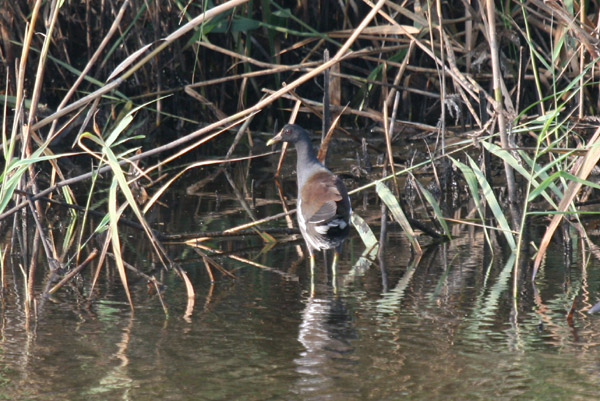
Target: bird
323 207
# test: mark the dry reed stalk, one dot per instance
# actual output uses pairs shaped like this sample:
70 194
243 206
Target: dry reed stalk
36 209
286 211
119 80
39 78
101 259
582 169
327 138
239 196
250 60
374 115
277 69
468 84
3 268
388 146
256 108
73 272
261 221
24 56
582 54
326 121
18 118
500 111
32 267
111 31
165 186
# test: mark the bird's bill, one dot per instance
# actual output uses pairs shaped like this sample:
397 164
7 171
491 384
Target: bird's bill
275 139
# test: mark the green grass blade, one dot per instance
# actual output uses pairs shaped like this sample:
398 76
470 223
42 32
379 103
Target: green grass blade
510 159
365 232
392 203
553 177
436 209
488 193
471 180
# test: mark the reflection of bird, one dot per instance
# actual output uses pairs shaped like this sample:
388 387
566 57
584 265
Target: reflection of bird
325 333
323 203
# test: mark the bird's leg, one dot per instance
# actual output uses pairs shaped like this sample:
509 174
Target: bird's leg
311 256
336 255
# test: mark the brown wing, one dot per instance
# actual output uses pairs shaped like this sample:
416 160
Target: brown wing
319 196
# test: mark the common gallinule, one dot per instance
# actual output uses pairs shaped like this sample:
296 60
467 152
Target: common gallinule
323 207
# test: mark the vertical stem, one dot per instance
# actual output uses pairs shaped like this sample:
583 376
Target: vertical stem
25 52
442 121
326 108
468 37
581 61
37 89
532 56
156 18
388 143
32 266
499 108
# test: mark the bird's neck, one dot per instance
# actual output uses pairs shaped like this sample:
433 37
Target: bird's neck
307 162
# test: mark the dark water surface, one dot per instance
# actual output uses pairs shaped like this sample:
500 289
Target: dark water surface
442 327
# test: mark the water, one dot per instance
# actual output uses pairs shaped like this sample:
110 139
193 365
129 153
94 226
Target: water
441 327
444 329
